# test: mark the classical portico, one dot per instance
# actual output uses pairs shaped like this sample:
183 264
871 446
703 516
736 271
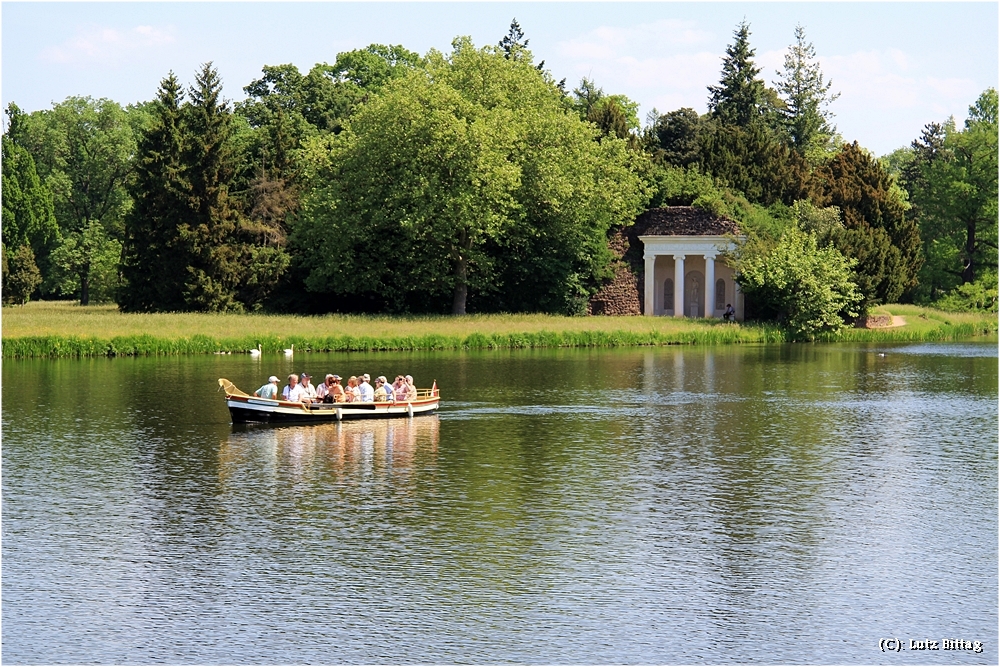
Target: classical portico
683 279
671 262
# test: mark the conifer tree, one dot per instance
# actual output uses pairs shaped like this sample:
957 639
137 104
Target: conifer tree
153 264
28 214
805 95
207 233
740 97
877 232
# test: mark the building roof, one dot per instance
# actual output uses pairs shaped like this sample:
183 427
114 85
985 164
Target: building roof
683 221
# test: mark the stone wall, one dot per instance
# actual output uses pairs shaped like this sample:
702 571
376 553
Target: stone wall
623 295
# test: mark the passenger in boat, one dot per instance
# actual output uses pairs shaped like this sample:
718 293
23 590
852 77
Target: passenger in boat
323 390
399 388
309 394
269 390
293 391
337 391
353 393
365 389
381 395
411 389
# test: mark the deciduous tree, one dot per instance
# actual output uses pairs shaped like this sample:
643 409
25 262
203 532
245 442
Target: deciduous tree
952 182
806 287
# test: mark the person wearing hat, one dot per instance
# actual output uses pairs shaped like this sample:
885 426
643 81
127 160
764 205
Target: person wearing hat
337 390
381 395
323 390
269 390
308 390
367 393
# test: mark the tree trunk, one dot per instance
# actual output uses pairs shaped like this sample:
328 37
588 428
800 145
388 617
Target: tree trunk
84 289
461 259
969 272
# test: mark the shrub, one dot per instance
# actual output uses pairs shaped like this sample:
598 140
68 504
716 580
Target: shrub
980 295
806 288
21 276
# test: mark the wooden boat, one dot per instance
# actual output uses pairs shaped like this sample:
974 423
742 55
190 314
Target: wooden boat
247 409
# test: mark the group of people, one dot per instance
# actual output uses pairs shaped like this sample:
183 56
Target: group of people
358 389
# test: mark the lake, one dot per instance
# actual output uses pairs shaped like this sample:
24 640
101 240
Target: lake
741 504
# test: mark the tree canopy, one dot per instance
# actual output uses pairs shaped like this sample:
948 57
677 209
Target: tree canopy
450 167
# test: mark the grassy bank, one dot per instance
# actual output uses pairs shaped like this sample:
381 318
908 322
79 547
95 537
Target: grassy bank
62 329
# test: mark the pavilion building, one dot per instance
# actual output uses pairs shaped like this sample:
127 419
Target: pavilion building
672 262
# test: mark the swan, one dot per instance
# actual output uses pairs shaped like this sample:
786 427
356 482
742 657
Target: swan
290 350
256 352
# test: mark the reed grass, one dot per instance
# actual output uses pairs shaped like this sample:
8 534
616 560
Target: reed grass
64 329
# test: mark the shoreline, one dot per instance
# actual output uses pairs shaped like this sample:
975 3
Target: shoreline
64 330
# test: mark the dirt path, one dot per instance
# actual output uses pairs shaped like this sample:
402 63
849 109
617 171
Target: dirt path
897 321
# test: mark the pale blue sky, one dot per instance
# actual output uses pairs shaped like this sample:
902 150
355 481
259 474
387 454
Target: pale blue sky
897 65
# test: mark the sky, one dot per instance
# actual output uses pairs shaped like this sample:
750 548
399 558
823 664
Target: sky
896 65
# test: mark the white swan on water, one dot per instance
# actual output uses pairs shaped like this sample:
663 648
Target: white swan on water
289 351
256 352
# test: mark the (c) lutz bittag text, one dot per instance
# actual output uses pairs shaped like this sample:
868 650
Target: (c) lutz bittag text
894 645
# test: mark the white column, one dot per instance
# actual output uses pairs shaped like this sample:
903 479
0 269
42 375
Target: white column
737 301
650 284
709 285
678 285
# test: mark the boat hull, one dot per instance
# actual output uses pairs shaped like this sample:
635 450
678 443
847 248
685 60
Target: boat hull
253 410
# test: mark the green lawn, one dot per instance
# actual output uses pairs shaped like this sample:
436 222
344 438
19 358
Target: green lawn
60 328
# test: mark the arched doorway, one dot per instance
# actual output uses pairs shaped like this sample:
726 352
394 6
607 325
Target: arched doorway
694 294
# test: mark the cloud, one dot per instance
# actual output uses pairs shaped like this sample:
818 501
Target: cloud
108 46
667 61
891 81
664 36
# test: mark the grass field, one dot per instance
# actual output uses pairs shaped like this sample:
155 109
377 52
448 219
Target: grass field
64 329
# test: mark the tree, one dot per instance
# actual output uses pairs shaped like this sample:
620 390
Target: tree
805 287
952 182
83 150
514 45
805 96
877 232
153 264
86 263
740 97
21 276
189 245
207 232
750 159
446 172
28 212
678 137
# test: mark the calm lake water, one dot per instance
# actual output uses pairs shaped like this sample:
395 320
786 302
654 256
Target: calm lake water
783 504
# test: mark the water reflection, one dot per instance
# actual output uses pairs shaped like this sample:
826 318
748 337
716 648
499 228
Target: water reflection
365 446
